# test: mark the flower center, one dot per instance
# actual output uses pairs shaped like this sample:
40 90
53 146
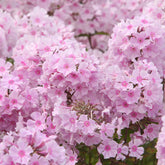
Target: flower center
119 150
86 123
130 94
124 83
11 82
107 148
139 78
71 158
134 148
29 97
21 153
125 104
133 114
38 123
72 120
2 69
150 130
14 101
149 93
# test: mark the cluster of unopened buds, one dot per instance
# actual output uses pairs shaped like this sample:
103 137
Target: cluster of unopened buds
80 76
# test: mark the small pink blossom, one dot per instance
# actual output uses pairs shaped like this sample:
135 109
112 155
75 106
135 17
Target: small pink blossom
108 148
135 150
21 152
87 126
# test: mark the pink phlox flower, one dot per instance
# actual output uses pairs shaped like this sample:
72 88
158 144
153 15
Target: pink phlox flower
151 132
87 126
122 151
38 16
20 152
123 82
53 125
37 122
69 122
135 150
78 137
35 72
135 116
108 148
107 130
16 100
131 96
153 94
4 67
133 51
123 107
140 40
31 97
92 139
154 110
66 66
140 77
74 78
55 152
71 157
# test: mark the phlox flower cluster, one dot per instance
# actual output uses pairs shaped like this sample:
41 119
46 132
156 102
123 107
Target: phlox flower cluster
65 82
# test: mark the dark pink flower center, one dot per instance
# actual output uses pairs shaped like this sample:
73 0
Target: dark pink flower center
149 92
47 49
86 123
14 101
117 92
119 150
124 83
52 126
129 27
159 15
72 120
125 104
38 123
37 20
2 69
21 153
131 94
133 114
38 72
107 148
73 75
29 97
134 148
11 82
71 158
150 130
140 40
139 78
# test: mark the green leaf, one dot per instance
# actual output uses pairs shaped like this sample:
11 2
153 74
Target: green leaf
11 60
